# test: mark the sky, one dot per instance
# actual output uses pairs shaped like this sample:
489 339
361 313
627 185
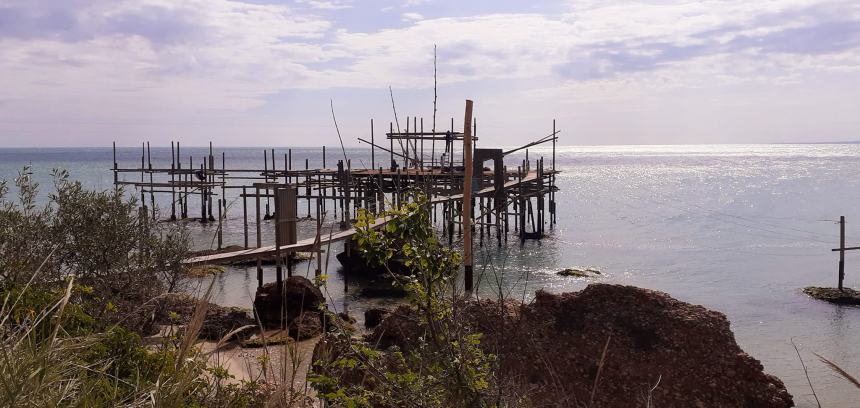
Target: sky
268 72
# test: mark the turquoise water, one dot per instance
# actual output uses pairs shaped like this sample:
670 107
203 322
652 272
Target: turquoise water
737 228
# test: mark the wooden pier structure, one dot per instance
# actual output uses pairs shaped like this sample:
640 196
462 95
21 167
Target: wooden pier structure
504 198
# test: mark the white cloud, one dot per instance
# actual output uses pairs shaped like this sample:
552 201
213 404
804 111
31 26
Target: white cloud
136 60
327 4
412 17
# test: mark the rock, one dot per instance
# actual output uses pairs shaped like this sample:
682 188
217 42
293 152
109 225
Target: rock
846 296
222 320
273 338
178 309
306 325
202 271
579 273
345 317
550 349
649 333
400 328
300 294
342 322
374 316
353 261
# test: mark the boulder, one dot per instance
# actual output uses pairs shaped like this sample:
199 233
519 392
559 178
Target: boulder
399 328
222 320
374 316
551 350
846 296
306 325
578 272
297 295
178 309
555 345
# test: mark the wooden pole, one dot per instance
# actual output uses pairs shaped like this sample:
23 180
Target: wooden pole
308 186
115 167
841 250
245 214
391 143
467 196
172 182
279 218
266 179
259 238
372 148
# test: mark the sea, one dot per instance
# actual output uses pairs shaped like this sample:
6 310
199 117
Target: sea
740 229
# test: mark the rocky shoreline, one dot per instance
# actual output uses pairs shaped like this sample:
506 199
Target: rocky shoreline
658 349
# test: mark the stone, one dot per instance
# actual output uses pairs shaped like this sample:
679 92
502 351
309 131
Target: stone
178 309
300 295
559 339
374 316
306 325
577 272
273 338
846 296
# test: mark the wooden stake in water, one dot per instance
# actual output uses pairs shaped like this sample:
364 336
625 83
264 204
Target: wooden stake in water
841 250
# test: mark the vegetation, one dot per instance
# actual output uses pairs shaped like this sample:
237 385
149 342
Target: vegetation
447 367
76 275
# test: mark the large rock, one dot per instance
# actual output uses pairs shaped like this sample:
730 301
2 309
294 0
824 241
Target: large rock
555 345
178 309
374 316
658 349
297 295
399 328
306 325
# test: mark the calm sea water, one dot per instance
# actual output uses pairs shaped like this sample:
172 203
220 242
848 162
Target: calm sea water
737 228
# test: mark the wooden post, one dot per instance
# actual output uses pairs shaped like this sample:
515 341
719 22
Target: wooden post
115 167
224 182
391 143
266 180
220 227
552 180
467 196
172 181
211 180
203 217
259 238
372 147
245 214
841 250
308 186
318 247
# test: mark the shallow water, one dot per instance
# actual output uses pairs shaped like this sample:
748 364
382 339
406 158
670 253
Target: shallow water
737 228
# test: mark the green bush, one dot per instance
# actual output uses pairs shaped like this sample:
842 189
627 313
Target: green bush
447 367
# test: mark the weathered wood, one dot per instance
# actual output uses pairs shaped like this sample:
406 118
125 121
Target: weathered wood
467 196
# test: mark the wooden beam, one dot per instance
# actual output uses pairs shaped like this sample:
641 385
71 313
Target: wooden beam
467 197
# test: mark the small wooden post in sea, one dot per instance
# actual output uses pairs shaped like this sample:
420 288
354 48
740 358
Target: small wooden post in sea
841 250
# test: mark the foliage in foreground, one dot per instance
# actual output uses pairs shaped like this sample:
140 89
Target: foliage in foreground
73 276
447 367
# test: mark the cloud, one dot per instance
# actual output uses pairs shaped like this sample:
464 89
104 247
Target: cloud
327 4
412 17
138 59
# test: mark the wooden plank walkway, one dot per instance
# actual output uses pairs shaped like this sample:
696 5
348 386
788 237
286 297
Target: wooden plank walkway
308 244
300 246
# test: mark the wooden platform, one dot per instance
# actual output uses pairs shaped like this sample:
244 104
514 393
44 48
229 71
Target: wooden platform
309 243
